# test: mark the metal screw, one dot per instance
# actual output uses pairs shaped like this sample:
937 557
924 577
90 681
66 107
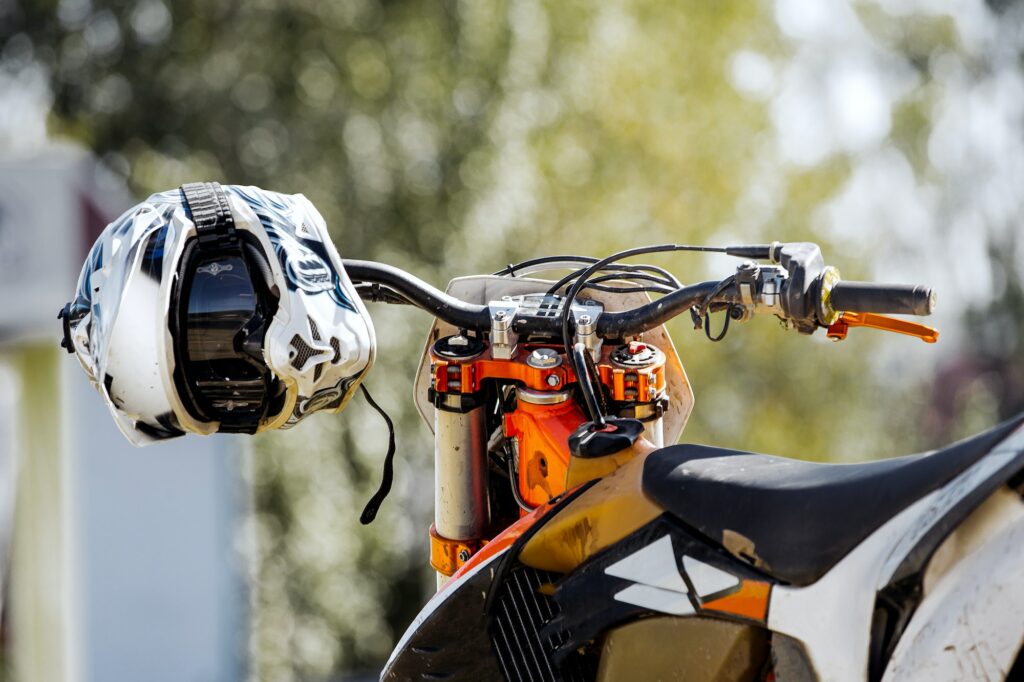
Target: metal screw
500 315
463 555
552 380
584 319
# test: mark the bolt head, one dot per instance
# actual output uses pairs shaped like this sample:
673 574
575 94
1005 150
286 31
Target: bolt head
543 358
552 380
463 555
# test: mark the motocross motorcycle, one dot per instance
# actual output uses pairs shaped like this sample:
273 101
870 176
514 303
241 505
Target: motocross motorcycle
574 540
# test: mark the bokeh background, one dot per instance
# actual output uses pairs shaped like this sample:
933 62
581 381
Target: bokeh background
451 138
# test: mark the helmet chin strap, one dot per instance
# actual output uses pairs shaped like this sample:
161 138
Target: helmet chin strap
370 510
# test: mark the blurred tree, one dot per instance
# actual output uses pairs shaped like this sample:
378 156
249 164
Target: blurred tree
371 110
451 138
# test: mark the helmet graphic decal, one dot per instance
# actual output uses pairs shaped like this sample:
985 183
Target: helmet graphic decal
153 258
302 256
305 269
312 275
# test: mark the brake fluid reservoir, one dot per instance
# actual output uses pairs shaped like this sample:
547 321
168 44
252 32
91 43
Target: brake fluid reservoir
635 375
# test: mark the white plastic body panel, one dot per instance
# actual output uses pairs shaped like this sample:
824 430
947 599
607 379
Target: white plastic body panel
832 617
970 624
481 289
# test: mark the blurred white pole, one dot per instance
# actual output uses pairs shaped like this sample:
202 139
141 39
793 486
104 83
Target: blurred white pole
40 570
124 561
9 391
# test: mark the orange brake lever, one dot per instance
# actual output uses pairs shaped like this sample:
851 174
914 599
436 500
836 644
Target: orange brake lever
837 330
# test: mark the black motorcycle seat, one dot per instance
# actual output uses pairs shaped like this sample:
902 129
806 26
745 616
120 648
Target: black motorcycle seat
795 519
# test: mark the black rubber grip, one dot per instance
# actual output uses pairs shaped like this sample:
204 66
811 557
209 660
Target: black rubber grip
868 297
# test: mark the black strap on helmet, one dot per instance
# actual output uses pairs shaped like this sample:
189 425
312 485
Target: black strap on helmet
220 370
207 206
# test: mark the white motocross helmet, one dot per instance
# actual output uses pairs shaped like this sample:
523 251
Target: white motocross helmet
212 308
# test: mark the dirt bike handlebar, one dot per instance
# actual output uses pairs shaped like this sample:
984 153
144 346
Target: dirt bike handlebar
637 320
418 293
803 291
477 317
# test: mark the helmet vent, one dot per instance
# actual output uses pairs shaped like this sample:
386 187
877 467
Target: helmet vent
336 345
302 352
317 371
314 330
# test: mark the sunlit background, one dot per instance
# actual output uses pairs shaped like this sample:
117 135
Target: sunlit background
451 138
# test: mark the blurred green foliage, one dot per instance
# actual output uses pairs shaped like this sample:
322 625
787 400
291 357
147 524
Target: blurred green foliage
451 138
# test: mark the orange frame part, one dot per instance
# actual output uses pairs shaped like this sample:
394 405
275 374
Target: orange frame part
466 376
542 432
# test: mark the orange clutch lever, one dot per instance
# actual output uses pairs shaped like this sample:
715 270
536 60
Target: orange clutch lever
838 330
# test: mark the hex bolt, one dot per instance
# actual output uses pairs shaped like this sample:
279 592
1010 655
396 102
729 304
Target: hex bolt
544 358
552 380
463 555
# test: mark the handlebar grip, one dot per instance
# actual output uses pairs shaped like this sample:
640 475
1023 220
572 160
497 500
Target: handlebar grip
869 297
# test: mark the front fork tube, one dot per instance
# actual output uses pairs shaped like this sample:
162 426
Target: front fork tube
461 508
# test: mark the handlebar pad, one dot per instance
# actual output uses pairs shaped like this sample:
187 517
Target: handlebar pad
869 297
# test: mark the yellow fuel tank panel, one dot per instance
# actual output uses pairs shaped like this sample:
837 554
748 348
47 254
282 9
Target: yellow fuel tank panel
610 510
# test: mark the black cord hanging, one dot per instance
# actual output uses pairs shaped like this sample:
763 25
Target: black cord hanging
725 325
370 510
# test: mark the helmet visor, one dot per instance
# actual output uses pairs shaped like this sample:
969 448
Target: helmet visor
222 328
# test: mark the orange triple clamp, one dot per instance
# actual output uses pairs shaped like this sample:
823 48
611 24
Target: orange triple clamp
837 330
